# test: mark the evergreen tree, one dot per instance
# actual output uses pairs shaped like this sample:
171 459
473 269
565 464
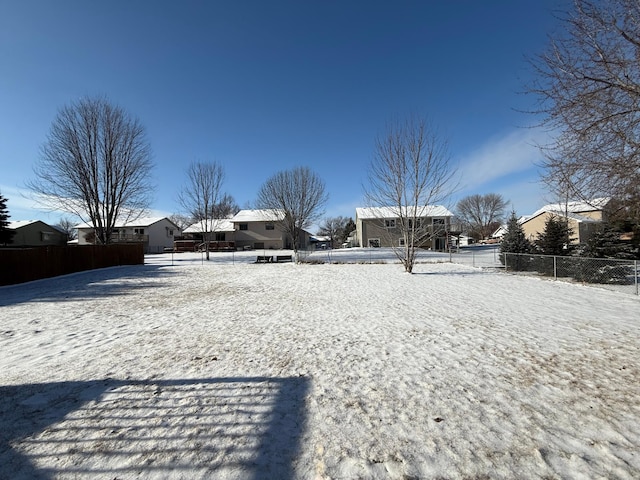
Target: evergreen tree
6 234
348 228
514 240
606 243
556 237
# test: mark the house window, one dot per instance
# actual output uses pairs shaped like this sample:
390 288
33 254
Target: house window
138 231
401 242
390 223
418 223
220 237
171 233
374 242
244 226
269 226
438 222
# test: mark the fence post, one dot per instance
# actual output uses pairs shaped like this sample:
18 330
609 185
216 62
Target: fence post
506 264
635 265
555 267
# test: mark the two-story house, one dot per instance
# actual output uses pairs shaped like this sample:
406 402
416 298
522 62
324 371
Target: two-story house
259 229
155 233
378 226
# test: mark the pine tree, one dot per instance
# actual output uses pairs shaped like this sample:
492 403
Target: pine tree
514 240
6 234
606 243
556 237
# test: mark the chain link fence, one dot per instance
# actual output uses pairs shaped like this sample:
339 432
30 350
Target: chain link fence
613 274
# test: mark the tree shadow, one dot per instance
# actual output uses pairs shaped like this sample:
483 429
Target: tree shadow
244 427
85 285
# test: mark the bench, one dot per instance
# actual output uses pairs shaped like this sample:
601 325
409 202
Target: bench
264 259
284 258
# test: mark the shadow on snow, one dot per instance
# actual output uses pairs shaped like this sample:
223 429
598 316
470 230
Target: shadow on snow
249 427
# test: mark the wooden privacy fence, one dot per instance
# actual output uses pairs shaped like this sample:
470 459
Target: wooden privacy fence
27 264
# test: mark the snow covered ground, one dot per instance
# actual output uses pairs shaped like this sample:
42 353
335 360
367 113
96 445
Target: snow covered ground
235 370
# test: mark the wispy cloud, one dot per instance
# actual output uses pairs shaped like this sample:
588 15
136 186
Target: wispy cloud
501 156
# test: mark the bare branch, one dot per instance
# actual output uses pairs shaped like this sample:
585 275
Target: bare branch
298 196
95 164
411 171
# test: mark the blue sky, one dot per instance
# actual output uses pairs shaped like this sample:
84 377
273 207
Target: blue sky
266 85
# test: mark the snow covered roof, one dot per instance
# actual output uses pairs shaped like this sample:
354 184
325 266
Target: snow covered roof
366 213
574 207
258 216
139 222
23 223
219 225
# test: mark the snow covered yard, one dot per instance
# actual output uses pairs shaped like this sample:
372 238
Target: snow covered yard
338 371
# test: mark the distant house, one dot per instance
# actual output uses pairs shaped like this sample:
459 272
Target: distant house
377 226
155 233
258 229
223 231
221 237
583 218
35 233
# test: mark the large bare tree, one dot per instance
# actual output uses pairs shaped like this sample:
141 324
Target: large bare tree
203 199
588 85
410 172
482 214
296 196
96 164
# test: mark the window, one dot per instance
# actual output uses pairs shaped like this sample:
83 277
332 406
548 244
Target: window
220 236
244 226
401 242
390 223
170 233
418 223
438 221
374 242
138 231
269 226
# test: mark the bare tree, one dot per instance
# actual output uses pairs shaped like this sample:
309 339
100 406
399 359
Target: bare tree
202 196
297 196
410 172
68 227
181 221
334 228
588 86
95 164
482 214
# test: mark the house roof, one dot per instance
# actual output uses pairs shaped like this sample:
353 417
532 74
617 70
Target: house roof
572 216
258 216
574 207
220 225
23 223
366 213
139 222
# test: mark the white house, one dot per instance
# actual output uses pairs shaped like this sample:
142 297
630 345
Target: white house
156 233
